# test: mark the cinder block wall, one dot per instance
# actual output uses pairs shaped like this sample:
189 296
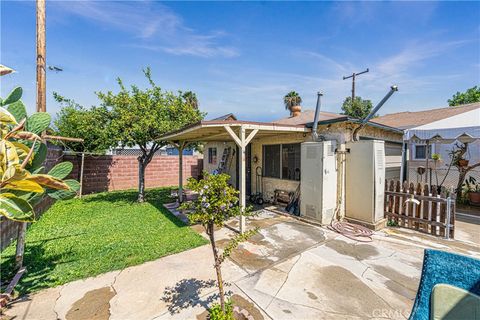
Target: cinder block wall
107 173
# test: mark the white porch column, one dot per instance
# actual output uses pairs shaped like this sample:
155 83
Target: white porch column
242 143
243 147
180 148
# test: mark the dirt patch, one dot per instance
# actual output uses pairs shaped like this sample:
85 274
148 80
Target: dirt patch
94 305
243 303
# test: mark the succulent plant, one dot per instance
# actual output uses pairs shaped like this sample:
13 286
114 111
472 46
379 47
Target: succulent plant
23 182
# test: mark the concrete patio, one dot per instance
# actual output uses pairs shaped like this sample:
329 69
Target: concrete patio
289 270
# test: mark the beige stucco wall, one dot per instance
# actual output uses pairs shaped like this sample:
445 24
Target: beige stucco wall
340 132
210 167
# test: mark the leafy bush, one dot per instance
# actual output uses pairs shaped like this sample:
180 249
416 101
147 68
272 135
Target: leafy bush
216 312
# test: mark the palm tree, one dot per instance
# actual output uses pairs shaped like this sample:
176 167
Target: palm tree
292 102
292 99
191 99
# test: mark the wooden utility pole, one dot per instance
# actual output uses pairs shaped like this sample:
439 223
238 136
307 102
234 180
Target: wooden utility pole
41 63
41 107
353 82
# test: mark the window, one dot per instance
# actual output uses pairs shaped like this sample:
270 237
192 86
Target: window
271 161
420 151
282 161
291 161
212 155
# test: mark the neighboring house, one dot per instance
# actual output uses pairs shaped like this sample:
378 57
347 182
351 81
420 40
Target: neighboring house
274 152
452 118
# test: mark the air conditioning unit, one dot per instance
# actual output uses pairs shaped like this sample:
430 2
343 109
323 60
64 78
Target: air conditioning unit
318 188
365 183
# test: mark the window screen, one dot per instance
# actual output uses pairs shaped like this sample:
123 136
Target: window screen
271 161
212 155
291 161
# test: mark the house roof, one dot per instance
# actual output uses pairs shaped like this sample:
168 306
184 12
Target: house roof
407 120
214 130
308 116
228 116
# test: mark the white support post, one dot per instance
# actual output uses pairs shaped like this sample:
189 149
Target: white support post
243 147
242 143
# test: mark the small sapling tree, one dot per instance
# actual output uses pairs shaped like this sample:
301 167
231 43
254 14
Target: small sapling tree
217 202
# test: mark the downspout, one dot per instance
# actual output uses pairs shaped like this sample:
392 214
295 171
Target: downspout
403 162
315 119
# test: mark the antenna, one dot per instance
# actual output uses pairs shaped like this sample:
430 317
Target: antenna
353 76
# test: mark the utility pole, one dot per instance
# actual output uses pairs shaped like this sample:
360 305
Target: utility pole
353 82
41 63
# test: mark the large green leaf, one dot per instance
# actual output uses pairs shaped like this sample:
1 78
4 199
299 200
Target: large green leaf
15 208
61 170
39 156
14 96
38 122
65 194
18 110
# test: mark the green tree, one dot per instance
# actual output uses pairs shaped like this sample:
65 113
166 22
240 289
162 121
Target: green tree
217 203
470 96
190 98
359 109
139 117
74 120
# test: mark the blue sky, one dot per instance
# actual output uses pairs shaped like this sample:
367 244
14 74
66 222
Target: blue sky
242 57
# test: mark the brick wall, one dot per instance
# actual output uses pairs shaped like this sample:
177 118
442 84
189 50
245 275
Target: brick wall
117 172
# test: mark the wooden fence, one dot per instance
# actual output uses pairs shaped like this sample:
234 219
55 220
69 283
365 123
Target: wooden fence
420 208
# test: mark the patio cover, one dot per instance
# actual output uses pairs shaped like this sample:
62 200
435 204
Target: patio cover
464 127
241 132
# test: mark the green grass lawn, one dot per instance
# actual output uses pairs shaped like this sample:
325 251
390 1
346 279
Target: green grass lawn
80 238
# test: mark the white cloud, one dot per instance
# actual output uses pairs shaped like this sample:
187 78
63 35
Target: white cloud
153 25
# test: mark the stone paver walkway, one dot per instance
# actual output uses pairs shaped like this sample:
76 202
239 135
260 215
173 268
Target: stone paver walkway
290 270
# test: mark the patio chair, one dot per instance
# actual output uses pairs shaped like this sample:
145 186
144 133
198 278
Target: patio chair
448 277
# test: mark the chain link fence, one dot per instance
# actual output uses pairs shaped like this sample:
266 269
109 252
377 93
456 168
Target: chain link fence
436 177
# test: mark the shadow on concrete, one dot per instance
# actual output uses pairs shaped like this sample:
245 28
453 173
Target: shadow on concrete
187 293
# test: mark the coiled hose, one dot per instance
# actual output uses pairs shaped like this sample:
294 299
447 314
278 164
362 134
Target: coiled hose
352 231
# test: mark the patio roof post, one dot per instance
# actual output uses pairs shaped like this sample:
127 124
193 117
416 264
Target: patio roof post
242 143
180 148
242 178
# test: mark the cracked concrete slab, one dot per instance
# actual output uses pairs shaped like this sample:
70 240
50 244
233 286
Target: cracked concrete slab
39 306
289 270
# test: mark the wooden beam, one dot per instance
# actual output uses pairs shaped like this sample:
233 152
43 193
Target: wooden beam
234 136
250 136
59 138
